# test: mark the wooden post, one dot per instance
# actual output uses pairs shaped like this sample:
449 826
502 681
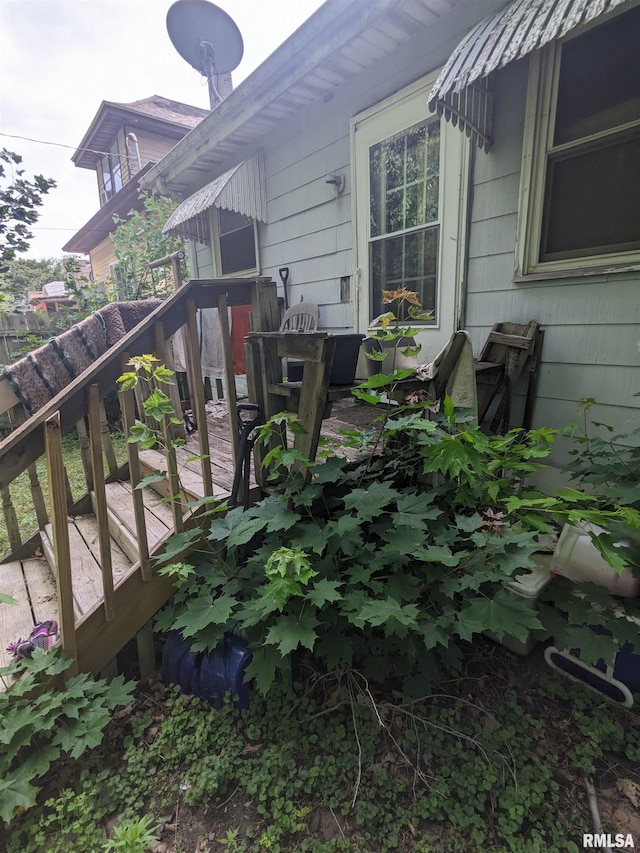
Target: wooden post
97 466
128 417
146 652
255 387
61 547
197 395
264 306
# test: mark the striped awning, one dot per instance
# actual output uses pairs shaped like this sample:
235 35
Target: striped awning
241 189
461 94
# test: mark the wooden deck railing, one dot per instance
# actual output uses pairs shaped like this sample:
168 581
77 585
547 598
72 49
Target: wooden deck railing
125 608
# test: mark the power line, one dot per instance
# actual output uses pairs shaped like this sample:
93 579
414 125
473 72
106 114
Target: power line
70 147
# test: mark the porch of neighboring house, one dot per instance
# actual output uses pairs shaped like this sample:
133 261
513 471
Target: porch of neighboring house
92 566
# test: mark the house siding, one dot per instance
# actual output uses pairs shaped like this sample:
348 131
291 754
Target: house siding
101 257
309 230
591 323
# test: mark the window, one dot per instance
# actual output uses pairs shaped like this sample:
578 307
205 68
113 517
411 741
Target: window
111 172
581 181
410 185
236 242
404 230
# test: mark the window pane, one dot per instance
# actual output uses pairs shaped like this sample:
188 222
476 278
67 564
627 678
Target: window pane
592 204
231 221
599 84
238 251
404 179
408 260
106 176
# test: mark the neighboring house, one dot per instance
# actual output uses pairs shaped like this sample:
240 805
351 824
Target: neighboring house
121 145
51 298
485 154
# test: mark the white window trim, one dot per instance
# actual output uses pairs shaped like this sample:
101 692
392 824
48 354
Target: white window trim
215 245
454 197
544 69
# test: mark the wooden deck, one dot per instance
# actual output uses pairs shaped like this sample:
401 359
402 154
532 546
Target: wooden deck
31 581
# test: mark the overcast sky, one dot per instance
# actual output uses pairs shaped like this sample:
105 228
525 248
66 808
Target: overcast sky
60 58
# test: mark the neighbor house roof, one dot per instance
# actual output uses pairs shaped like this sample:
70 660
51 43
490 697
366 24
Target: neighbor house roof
155 113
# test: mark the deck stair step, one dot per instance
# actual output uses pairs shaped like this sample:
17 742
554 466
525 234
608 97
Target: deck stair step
188 470
85 550
121 518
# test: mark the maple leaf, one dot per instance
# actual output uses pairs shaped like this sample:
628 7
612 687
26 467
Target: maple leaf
291 631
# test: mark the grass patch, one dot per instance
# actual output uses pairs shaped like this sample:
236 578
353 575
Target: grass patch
485 764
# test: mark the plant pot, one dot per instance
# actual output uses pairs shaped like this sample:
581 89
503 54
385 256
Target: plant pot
343 369
577 558
208 675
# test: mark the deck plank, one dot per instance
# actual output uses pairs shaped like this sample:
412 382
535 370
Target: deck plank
42 588
85 569
16 620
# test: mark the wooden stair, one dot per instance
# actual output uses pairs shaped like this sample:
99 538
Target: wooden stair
32 582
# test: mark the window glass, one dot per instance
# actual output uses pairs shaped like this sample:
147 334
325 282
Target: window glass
591 204
599 86
237 242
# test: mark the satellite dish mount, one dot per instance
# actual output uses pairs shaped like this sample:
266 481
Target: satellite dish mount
210 42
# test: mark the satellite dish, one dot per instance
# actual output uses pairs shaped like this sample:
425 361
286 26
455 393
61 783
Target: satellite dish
207 38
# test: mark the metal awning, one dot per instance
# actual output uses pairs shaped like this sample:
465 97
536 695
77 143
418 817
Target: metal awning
461 93
241 189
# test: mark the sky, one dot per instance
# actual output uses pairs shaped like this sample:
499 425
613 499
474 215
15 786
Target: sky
60 58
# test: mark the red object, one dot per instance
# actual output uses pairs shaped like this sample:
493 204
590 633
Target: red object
240 328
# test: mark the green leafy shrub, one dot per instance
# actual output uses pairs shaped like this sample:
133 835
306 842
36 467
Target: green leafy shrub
41 722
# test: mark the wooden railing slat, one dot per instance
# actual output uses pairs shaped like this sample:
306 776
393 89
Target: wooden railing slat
37 497
97 464
197 392
168 433
85 453
107 444
62 550
11 520
232 400
128 419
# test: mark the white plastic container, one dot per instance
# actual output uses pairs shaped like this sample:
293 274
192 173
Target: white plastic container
577 558
528 586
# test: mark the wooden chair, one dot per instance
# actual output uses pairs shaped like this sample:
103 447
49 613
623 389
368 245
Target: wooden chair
511 350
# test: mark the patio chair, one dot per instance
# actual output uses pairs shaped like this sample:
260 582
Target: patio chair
302 317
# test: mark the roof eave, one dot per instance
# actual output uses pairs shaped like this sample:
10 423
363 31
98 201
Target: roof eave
101 223
330 27
84 157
